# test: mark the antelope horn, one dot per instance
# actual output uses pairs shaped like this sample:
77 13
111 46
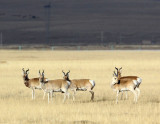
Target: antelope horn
27 70
68 72
117 70
114 73
43 72
120 68
63 72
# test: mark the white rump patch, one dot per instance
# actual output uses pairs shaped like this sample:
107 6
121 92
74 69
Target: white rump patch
69 83
47 79
92 82
135 82
139 80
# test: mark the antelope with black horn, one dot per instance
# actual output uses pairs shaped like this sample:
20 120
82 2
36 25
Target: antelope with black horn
81 85
129 83
58 85
119 72
31 83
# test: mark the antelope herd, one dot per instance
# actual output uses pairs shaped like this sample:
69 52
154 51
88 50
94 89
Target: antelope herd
118 84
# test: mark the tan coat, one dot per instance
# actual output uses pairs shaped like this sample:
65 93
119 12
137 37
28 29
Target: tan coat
58 85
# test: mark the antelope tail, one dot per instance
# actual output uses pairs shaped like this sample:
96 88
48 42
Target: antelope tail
93 83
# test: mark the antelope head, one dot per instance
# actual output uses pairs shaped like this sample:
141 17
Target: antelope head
114 78
25 77
66 75
25 74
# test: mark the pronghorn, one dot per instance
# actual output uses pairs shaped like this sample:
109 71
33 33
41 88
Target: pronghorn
80 85
119 72
58 85
128 83
31 83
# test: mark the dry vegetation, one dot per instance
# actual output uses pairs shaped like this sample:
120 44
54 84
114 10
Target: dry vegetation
17 107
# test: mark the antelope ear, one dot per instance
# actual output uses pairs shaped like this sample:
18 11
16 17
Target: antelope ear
113 73
120 69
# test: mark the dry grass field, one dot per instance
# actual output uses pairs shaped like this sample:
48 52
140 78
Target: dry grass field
17 107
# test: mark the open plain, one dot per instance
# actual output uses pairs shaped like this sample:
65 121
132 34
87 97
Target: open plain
17 107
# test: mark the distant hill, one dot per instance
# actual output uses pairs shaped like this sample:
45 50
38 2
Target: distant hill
80 22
